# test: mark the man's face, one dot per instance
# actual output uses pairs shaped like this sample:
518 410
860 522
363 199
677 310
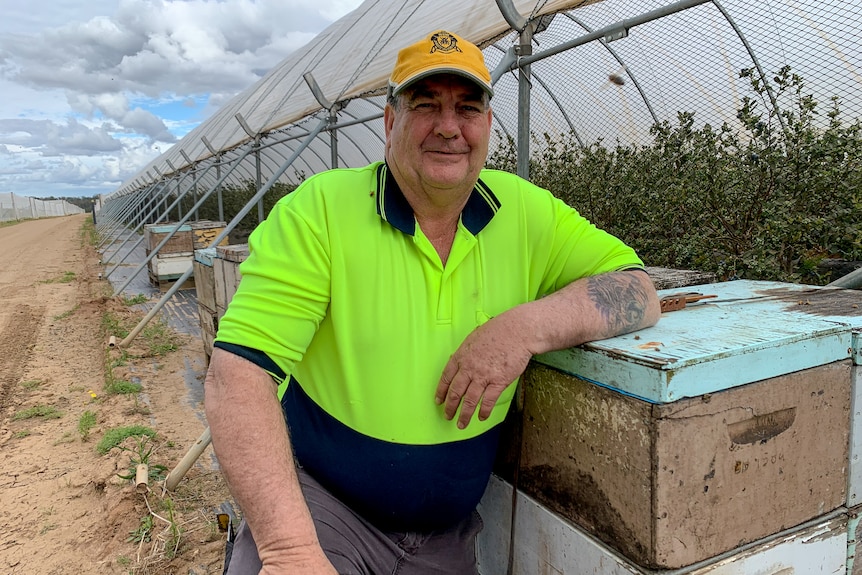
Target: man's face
438 138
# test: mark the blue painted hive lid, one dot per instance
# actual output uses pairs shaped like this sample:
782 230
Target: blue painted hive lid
205 256
751 330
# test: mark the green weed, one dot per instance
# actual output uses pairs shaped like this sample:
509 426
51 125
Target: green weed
31 384
38 411
113 437
86 422
66 314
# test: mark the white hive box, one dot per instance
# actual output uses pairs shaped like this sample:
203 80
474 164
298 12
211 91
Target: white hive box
546 544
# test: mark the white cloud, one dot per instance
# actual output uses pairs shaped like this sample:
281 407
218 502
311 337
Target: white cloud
86 86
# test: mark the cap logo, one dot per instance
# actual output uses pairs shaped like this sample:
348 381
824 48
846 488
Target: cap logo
444 42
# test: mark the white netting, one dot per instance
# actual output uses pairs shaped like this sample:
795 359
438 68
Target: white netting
14 207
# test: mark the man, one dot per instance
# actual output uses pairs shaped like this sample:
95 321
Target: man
397 305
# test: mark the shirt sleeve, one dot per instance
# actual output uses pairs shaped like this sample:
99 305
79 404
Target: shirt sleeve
285 288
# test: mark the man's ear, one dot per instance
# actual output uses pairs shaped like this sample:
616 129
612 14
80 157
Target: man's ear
388 119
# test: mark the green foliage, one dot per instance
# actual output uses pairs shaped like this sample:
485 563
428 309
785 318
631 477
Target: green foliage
141 454
134 300
38 412
120 386
89 235
86 422
114 437
31 384
159 337
112 324
144 532
67 277
767 199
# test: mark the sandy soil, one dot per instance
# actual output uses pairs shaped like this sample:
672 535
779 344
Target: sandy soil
64 509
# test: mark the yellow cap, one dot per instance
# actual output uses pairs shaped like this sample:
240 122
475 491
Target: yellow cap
440 53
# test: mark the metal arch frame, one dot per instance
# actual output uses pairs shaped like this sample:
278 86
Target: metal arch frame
754 60
621 62
519 56
556 101
224 233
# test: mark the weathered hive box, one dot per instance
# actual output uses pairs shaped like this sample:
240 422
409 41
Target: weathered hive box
726 423
227 275
169 267
547 544
181 242
854 486
205 289
204 232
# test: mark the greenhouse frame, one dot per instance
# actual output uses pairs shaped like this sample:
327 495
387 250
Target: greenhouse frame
596 71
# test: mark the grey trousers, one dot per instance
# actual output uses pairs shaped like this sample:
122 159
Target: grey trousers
355 547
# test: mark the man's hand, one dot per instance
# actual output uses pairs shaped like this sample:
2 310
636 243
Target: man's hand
497 353
493 356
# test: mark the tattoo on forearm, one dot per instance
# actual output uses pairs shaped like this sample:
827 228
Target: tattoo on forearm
621 300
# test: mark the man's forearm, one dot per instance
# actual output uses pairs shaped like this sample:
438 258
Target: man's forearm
251 442
497 352
591 308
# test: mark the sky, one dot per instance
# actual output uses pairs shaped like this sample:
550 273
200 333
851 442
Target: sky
93 90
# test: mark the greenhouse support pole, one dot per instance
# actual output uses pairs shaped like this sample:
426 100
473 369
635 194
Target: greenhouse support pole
614 30
124 215
333 139
194 180
149 214
258 177
332 124
257 170
170 234
152 195
224 233
143 236
217 155
110 211
219 193
525 48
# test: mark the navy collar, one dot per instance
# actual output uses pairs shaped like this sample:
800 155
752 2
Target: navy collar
394 208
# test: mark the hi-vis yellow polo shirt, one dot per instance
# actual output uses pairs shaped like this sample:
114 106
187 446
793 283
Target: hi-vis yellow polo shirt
344 300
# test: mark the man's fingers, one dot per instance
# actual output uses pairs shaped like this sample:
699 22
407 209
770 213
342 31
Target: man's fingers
470 400
489 400
456 392
445 380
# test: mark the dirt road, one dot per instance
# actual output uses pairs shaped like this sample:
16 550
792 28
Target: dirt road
64 509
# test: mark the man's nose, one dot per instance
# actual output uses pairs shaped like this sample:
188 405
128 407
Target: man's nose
448 124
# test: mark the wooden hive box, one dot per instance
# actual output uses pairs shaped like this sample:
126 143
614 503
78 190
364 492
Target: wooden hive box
204 233
181 242
227 274
727 422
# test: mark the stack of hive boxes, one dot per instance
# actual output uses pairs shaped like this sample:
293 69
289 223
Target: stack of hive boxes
718 442
175 257
216 279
